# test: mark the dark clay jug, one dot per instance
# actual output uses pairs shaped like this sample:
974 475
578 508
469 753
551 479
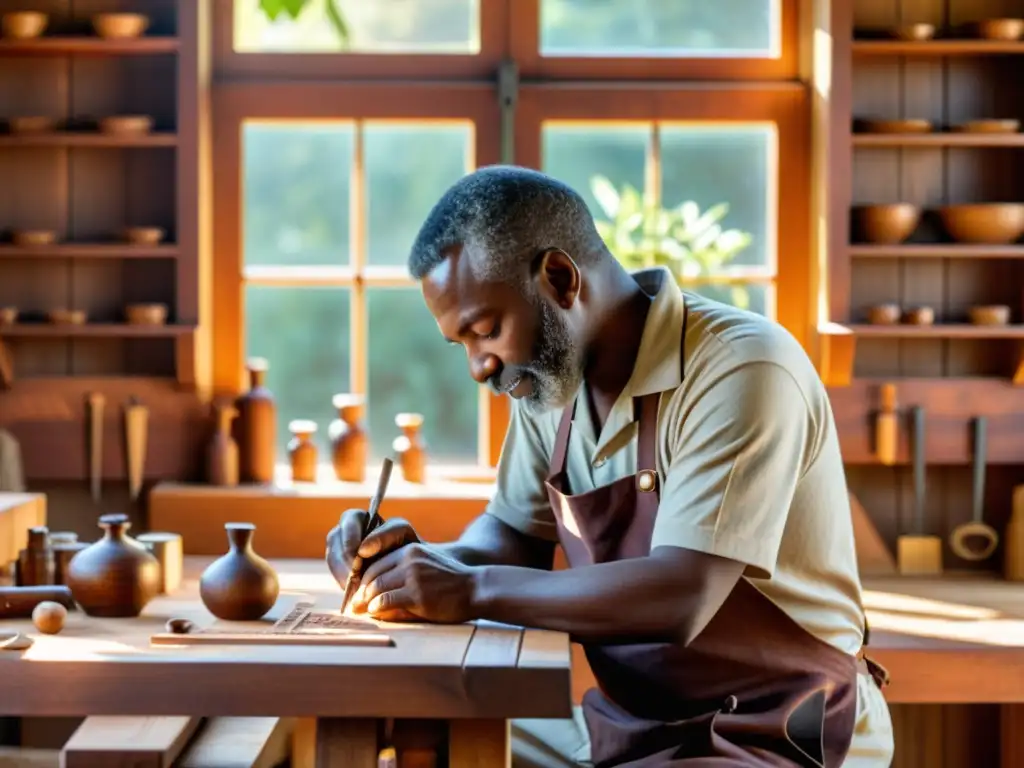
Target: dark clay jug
115 577
241 585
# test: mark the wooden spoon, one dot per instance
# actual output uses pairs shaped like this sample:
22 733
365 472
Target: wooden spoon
977 528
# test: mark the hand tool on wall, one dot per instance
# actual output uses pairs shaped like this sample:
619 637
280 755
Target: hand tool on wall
96 402
918 553
1013 538
136 422
887 428
984 537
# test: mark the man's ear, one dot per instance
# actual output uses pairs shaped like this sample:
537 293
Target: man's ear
558 277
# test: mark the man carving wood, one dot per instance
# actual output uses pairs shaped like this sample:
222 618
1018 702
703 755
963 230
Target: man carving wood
683 454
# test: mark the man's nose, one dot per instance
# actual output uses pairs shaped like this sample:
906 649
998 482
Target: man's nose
482 367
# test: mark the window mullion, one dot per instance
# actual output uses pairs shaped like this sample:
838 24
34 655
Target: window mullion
359 321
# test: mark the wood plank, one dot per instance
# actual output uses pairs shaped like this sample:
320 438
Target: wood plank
479 744
128 742
346 743
21 757
542 648
239 742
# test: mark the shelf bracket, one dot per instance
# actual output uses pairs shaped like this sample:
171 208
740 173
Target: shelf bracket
838 348
508 97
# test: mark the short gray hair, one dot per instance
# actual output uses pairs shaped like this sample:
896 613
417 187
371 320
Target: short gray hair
511 214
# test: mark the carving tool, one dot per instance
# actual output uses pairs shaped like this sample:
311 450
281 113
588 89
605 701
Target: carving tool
918 553
96 403
977 528
136 422
376 521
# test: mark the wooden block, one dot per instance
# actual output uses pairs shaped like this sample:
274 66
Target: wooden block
919 555
128 742
346 742
21 757
239 742
18 513
479 744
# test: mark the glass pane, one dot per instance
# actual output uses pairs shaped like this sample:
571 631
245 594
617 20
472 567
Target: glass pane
296 188
413 369
730 165
576 154
304 335
408 167
677 28
358 26
756 297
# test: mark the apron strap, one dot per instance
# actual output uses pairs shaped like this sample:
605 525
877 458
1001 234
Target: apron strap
558 455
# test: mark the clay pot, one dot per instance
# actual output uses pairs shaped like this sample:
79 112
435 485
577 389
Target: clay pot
144 235
412 455
23 25
302 453
349 442
895 126
222 453
984 223
241 585
115 577
256 427
146 314
888 224
33 238
990 314
912 32
120 25
993 125
126 125
1001 29
919 316
884 314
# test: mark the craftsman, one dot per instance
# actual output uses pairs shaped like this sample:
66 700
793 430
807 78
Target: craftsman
683 453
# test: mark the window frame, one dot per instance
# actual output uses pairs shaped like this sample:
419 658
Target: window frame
239 102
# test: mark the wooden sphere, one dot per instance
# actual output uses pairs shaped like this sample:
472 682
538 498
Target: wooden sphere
49 617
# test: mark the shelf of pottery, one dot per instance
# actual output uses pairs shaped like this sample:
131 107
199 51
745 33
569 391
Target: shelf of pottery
935 258
243 448
87 246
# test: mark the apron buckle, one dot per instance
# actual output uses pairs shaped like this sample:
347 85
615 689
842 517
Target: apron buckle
646 480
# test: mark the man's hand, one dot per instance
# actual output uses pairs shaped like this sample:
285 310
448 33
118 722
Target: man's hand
417 583
345 541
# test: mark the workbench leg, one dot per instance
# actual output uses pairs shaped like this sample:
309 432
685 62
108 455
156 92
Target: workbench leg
479 744
1011 727
346 742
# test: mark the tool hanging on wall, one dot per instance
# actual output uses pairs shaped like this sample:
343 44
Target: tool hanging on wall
1014 538
136 423
918 553
976 540
887 428
96 403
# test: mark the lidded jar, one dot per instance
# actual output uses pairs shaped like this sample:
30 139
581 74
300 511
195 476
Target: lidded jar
116 576
240 585
349 442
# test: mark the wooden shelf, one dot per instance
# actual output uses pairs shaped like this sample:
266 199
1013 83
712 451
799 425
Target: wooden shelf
90 251
94 330
936 251
937 331
938 139
965 47
87 139
95 46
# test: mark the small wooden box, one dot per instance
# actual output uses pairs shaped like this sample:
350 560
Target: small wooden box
18 513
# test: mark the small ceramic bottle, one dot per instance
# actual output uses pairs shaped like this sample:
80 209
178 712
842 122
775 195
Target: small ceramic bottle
240 585
349 442
222 453
412 455
302 453
115 577
256 427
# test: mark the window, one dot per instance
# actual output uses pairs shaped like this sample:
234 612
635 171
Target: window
337 126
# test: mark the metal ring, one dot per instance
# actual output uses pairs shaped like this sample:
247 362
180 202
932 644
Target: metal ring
958 541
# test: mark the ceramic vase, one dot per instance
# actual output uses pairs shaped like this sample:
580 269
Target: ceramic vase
222 453
349 442
412 455
256 427
302 452
241 585
116 576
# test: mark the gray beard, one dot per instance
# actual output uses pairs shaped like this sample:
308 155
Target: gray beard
557 367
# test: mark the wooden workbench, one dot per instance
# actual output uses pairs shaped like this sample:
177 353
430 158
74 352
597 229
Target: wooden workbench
108 667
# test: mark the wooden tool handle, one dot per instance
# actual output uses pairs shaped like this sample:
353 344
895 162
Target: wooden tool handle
919 468
980 460
19 602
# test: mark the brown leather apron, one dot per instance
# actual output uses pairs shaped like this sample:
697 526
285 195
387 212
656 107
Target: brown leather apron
753 689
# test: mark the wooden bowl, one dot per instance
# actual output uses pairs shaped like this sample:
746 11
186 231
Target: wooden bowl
126 125
896 126
888 224
23 25
914 32
34 238
984 223
8 315
884 314
67 316
146 314
991 314
989 126
120 26
144 235
32 124
919 316
1001 29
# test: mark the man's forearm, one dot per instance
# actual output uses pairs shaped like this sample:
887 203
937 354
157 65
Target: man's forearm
668 596
489 541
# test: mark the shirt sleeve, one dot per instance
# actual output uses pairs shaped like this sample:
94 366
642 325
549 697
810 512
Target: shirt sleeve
736 459
521 499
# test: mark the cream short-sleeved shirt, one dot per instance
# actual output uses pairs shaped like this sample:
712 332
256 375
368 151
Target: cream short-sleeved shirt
749 463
